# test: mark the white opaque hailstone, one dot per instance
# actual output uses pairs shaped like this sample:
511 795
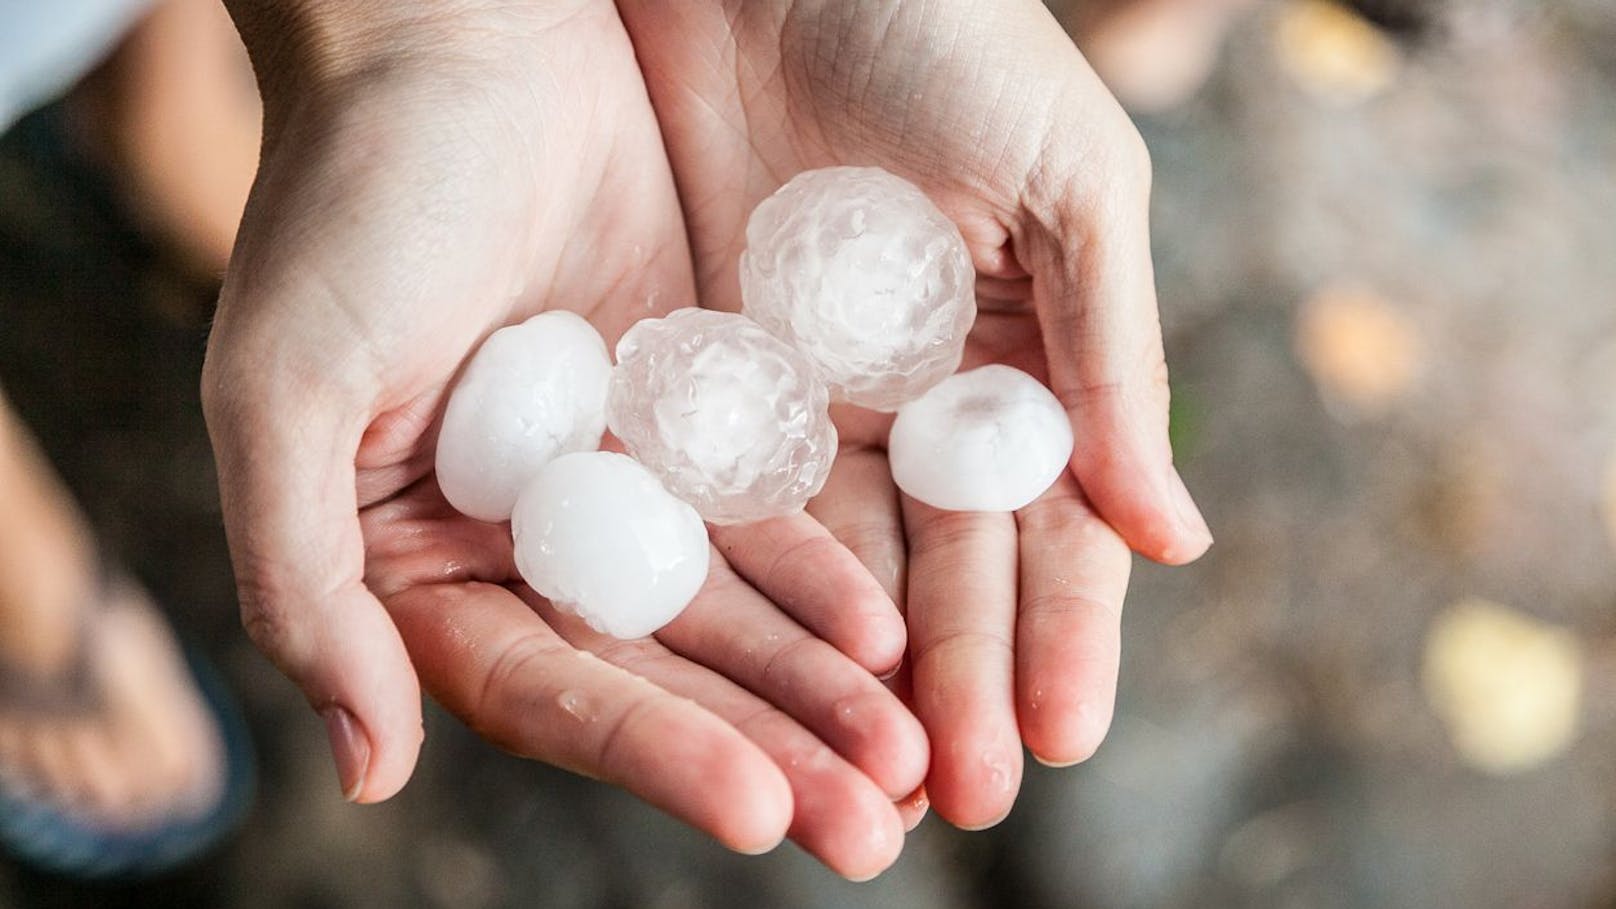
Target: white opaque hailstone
730 418
598 536
857 269
532 392
988 439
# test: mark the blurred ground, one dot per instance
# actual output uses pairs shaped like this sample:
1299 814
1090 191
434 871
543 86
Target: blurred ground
1387 258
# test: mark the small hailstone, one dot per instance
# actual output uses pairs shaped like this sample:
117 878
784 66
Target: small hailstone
599 537
532 391
988 439
730 418
859 270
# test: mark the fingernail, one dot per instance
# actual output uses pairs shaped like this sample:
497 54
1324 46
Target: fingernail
914 808
1189 516
763 848
892 673
349 748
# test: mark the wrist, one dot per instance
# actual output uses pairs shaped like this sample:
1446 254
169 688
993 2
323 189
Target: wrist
304 45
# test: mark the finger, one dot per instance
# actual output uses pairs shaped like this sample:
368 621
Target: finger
732 629
1096 299
487 658
838 815
1074 573
912 808
962 607
859 506
416 538
795 562
287 489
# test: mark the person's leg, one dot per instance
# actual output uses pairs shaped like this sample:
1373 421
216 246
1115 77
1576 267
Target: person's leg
98 714
175 114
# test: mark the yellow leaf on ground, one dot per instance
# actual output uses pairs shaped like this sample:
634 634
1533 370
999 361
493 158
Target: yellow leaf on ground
1359 349
1507 686
1333 53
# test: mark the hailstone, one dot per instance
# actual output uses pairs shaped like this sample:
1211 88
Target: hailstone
857 269
599 537
532 391
988 439
730 418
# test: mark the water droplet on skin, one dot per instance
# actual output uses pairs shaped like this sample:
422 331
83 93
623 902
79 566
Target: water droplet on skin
998 771
575 706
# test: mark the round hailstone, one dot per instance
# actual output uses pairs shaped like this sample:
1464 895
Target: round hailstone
731 419
599 537
989 439
859 270
533 391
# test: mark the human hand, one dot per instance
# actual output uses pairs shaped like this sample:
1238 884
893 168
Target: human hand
432 172
990 109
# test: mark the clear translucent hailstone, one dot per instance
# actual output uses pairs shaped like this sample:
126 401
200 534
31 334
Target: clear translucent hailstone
731 419
989 439
532 391
599 537
859 270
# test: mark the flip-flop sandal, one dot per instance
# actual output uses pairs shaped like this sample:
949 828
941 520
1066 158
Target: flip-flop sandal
57 841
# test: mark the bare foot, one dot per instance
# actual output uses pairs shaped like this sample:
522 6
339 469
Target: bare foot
99 716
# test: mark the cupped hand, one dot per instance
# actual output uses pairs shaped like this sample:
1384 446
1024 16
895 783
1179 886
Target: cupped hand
1013 619
430 173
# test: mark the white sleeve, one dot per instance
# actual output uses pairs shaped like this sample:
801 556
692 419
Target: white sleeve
46 45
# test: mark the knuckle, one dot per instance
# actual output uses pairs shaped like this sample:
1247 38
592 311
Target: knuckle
614 752
1081 396
268 624
1063 517
799 557
508 690
1132 160
962 646
632 655
951 531
1066 607
511 668
781 662
872 540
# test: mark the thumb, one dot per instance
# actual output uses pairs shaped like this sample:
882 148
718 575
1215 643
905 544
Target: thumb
285 448
1096 298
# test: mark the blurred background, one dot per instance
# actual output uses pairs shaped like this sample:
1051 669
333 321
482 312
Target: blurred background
1385 235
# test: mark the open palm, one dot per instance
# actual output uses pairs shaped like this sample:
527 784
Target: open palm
401 214
1013 619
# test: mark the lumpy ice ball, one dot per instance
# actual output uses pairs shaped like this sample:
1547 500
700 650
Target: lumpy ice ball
730 418
989 439
599 537
857 269
532 391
